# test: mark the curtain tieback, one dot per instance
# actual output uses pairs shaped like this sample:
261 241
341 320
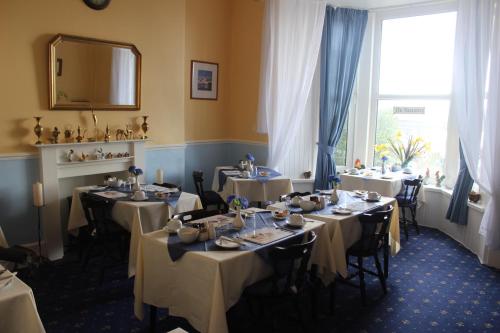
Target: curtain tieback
326 149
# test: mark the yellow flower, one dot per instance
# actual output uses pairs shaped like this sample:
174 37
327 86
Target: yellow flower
399 135
385 153
418 139
380 147
427 146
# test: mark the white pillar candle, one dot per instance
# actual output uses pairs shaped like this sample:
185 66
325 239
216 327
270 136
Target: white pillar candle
38 194
159 176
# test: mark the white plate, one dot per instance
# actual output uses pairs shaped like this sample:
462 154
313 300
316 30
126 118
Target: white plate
280 217
226 244
342 211
359 193
386 177
134 199
372 200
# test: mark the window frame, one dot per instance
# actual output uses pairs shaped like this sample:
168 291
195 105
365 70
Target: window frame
372 71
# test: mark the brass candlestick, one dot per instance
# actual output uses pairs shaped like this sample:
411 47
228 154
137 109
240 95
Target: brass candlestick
106 135
38 129
80 136
145 126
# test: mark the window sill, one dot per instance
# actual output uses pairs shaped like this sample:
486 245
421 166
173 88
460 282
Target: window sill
479 207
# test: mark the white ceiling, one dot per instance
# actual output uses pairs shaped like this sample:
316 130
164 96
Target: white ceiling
372 4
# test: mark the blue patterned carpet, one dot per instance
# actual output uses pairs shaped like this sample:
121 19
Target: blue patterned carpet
435 286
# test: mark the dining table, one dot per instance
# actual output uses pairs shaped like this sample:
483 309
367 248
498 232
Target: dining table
229 180
345 229
388 184
206 281
138 217
17 305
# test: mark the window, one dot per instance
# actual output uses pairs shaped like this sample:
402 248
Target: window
412 83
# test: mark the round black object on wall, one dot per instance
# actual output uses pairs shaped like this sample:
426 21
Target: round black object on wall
97 4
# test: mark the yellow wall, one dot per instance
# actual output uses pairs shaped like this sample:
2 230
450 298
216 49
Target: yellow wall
207 38
169 34
156 27
246 32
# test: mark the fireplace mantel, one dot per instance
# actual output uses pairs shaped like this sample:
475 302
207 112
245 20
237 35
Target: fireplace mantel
54 166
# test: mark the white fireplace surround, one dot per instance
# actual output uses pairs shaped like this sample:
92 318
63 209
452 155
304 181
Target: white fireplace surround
54 167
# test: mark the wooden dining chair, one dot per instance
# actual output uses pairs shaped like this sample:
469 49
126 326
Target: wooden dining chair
291 282
407 200
102 233
195 215
373 238
208 198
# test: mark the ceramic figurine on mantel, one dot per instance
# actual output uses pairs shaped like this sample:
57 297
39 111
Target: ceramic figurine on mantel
439 179
145 126
68 135
38 129
55 135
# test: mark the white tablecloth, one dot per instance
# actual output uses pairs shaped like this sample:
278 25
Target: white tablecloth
251 188
202 286
345 230
3 241
136 217
18 313
386 187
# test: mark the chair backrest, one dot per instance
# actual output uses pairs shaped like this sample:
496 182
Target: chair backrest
195 215
293 195
411 187
374 228
198 182
97 212
169 185
285 262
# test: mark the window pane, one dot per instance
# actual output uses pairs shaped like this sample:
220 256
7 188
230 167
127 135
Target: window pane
341 152
417 55
431 126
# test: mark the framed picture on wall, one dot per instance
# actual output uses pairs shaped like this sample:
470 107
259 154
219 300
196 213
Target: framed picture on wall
204 80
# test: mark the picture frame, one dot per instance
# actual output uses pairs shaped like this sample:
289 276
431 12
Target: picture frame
204 80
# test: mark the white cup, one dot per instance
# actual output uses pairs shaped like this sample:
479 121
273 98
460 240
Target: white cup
246 174
373 195
174 225
296 220
296 200
139 195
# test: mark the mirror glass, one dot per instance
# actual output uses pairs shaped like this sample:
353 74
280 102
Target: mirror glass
93 74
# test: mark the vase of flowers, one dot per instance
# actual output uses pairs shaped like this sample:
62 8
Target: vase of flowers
135 173
403 152
250 163
335 181
237 203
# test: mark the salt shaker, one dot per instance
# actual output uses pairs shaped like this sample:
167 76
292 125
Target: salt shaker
211 231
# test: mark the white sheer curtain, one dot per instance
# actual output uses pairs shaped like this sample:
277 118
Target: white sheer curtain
476 102
291 43
122 77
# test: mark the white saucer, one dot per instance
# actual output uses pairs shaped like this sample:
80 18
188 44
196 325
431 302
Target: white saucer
386 177
342 211
226 244
139 199
372 200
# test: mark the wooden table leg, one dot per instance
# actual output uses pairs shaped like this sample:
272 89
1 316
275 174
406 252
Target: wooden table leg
152 317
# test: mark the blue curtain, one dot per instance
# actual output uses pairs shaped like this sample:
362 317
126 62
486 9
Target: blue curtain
340 48
458 209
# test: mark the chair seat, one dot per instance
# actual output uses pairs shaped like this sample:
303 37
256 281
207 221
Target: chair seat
404 201
212 197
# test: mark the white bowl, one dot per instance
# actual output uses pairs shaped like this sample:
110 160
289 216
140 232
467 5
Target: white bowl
115 183
307 205
188 234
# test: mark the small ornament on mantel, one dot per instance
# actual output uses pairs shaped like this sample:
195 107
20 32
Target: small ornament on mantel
427 177
145 127
55 135
106 134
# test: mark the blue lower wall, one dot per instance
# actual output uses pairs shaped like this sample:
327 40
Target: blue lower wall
18 219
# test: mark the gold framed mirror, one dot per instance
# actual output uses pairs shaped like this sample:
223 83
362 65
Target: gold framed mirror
87 73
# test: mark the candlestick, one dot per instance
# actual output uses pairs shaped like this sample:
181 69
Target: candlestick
159 176
38 194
